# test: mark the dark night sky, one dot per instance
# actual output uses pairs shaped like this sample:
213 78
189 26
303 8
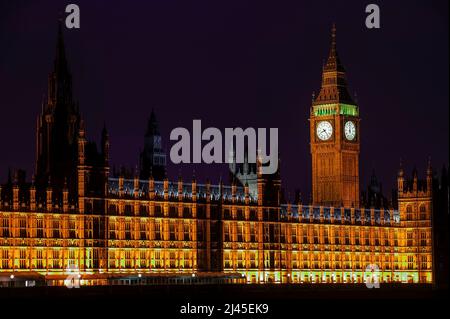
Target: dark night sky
232 63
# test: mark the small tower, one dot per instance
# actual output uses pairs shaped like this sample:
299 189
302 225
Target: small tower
151 187
180 187
65 197
49 196
260 182
415 180
81 166
32 195
153 157
15 194
105 145
400 179
416 209
429 185
194 188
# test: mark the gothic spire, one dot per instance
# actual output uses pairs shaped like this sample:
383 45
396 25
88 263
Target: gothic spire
60 57
152 125
60 80
334 84
333 52
333 62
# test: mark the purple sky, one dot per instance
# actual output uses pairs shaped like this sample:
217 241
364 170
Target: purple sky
232 63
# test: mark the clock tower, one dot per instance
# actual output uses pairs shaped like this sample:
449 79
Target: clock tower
335 139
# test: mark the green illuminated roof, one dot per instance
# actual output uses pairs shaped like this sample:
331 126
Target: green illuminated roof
348 109
331 109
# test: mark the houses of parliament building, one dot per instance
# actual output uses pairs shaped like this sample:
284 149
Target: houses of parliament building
77 213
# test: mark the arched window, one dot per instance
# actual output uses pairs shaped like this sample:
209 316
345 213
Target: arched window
423 211
409 212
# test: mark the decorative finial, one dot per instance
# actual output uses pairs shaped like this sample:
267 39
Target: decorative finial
429 168
400 170
16 177
415 173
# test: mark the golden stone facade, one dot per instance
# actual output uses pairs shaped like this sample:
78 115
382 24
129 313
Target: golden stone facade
185 228
108 226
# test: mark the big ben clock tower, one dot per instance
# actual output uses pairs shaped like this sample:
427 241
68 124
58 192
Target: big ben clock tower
334 133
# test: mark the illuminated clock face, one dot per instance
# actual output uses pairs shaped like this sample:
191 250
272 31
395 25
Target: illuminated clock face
324 130
350 130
